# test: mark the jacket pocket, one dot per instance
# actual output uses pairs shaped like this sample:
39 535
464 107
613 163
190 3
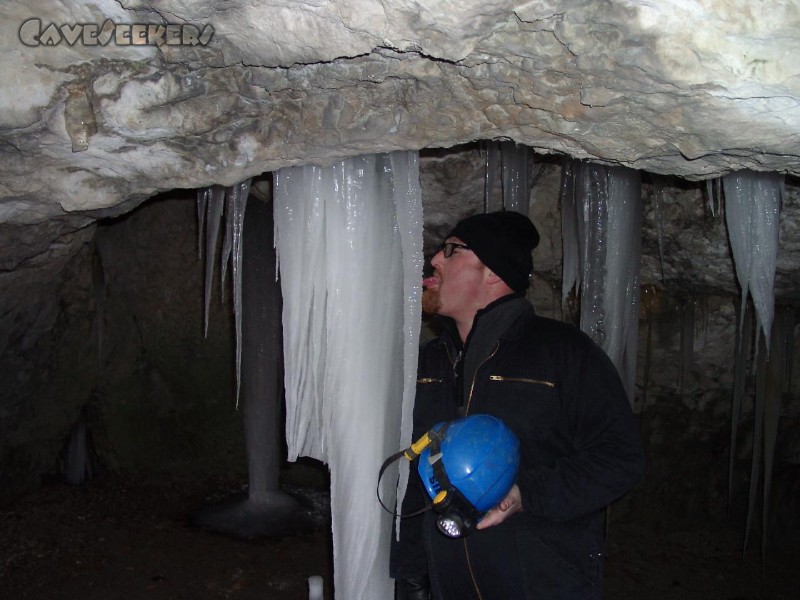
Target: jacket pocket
429 380
530 380
529 405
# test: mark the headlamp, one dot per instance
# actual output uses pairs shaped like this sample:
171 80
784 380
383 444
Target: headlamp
457 517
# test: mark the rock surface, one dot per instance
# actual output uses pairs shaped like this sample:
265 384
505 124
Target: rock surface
286 83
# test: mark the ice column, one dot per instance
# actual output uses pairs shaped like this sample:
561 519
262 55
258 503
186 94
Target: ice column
752 211
601 221
349 240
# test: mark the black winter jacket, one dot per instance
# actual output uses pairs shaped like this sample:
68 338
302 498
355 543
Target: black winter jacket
579 445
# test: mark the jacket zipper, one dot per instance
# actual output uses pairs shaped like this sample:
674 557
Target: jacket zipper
466 412
475 376
549 384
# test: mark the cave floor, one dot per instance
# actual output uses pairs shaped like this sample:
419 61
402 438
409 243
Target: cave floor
120 537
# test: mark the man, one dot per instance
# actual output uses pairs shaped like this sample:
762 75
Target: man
557 391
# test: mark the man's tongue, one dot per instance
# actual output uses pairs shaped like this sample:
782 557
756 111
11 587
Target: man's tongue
430 281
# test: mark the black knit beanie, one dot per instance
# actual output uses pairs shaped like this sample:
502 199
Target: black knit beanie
503 241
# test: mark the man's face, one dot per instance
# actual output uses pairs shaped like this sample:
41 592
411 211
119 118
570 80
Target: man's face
454 289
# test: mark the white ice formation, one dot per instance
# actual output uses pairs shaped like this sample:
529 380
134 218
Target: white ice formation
601 224
212 203
516 190
752 213
349 241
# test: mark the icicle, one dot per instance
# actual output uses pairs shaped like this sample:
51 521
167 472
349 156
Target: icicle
216 203
236 199
744 338
649 301
408 193
621 292
202 200
658 213
343 260
516 190
758 441
714 194
752 211
571 277
601 217
227 242
492 153
775 389
591 200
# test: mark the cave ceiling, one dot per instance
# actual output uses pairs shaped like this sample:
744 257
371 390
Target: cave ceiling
690 88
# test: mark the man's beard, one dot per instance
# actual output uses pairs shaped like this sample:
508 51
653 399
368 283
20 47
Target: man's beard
431 303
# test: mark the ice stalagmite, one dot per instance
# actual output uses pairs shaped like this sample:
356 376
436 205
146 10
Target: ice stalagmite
349 241
601 220
264 510
752 211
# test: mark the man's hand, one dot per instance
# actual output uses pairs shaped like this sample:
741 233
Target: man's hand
508 506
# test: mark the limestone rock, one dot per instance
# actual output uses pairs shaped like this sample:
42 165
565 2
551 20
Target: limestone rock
285 83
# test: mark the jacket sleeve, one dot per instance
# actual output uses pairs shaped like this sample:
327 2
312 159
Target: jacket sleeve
604 456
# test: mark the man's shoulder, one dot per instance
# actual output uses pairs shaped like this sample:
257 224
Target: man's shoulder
552 332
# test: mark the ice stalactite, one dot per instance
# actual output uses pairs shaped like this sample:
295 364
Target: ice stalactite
202 202
602 256
265 509
714 194
752 213
236 201
571 263
214 208
773 373
744 342
650 303
230 202
658 214
492 155
516 190
512 160
349 240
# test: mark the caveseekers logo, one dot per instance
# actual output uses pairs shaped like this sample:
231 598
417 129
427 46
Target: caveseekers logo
91 34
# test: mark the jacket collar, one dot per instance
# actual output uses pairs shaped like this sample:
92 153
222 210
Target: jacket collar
498 316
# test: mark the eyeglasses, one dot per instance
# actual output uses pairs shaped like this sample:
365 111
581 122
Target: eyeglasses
449 247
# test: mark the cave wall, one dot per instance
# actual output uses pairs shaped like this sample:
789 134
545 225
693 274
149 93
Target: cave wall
129 348
161 397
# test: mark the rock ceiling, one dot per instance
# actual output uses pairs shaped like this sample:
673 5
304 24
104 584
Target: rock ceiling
694 88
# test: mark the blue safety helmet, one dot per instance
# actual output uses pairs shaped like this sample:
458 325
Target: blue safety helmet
479 456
